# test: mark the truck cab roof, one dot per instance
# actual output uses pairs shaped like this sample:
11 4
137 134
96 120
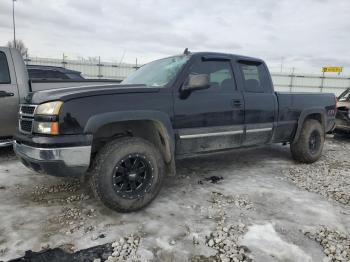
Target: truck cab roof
219 55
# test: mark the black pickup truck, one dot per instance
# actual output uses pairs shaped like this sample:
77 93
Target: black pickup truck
126 137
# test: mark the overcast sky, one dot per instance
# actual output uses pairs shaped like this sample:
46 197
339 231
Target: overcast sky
308 34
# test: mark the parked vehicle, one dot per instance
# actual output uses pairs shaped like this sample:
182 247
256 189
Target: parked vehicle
342 119
126 137
15 85
40 72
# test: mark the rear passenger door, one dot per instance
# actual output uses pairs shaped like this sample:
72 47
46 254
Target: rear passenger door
210 119
259 100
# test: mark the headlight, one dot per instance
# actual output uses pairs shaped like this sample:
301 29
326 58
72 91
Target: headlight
49 128
51 108
46 118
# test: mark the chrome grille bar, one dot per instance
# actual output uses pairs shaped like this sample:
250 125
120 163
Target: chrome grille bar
26 118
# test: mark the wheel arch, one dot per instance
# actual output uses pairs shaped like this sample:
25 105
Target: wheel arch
153 126
318 114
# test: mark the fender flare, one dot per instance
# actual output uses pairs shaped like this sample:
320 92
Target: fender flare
304 114
99 120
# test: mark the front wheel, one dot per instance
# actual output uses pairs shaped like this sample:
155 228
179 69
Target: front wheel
128 174
308 147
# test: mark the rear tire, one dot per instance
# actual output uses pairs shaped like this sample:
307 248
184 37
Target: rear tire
128 174
308 147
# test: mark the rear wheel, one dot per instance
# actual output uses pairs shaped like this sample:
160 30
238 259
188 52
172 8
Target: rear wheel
308 147
128 174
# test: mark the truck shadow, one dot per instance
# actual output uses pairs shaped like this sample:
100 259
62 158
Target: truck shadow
342 137
246 157
7 153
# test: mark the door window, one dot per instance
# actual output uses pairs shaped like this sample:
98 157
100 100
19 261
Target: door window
220 75
254 77
4 70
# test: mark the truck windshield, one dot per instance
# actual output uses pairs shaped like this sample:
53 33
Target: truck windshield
157 73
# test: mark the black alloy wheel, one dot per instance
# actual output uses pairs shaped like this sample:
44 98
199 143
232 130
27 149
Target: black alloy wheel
309 144
127 174
133 176
314 142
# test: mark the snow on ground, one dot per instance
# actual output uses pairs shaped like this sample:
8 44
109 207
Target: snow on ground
266 240
260 210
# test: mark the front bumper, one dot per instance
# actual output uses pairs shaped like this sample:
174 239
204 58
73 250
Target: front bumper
342 125
56 161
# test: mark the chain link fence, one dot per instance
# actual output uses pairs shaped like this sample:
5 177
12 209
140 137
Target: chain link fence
290 82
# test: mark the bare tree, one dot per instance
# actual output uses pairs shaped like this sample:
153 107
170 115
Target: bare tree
19 45
93 59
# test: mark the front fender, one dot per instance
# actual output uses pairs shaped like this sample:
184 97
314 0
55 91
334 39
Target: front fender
97 121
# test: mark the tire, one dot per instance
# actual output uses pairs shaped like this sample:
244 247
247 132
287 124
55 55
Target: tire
118 188
308 147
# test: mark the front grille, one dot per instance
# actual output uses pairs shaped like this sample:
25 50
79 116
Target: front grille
27 110
26 118
26 125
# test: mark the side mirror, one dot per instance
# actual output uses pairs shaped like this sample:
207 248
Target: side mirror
196 82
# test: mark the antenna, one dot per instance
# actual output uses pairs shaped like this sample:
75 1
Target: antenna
186 52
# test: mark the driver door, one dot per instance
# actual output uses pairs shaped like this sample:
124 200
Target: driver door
210 119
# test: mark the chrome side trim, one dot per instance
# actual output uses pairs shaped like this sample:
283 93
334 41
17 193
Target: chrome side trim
78 156
259 130
225 133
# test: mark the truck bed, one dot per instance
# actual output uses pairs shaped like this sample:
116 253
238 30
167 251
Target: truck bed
291 106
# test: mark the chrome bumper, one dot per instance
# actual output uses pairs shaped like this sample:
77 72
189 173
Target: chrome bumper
6 142
342 124
63 161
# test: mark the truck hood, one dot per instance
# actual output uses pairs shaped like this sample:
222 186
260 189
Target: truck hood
68 93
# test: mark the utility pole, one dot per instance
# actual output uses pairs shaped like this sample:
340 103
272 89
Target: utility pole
322 81
14 24
282 59
291 80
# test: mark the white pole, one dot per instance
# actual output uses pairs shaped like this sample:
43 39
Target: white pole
14 24
282 58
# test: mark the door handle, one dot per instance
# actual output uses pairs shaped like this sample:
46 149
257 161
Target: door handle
236 103
6 94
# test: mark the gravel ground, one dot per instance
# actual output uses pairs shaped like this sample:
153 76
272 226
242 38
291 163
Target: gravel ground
247 205
335 244
329 177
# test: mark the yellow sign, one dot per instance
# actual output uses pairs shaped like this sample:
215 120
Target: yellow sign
333 69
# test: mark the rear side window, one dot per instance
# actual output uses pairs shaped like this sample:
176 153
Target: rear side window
255 77
220 74
4 70
36 74
46 74
52 74
74 76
